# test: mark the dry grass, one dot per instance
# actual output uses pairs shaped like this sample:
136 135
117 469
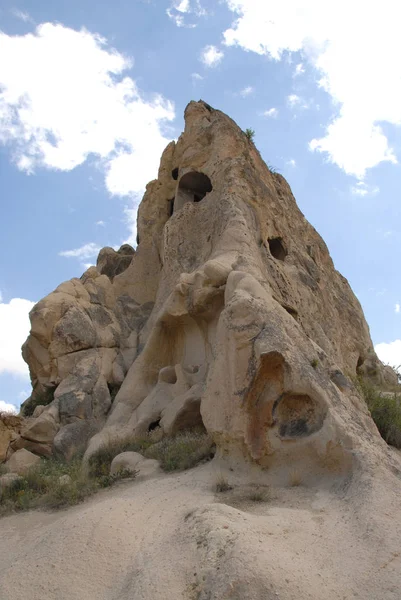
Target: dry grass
182 451
41 487
259 495
295 478
221 484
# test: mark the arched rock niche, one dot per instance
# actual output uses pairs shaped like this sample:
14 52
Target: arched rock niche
192 187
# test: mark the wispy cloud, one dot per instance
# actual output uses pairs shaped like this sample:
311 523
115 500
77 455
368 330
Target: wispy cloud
211 56
196 77
180 9
291 162
363 189
397 307
101 223
22 15
85 251
299 70
271 112
247 91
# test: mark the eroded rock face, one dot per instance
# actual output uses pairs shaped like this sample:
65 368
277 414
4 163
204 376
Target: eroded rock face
229 315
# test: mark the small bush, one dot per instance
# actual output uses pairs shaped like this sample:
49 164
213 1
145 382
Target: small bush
314 363
385 411
37 399
259 495
183 451
100 461
222 485
250 134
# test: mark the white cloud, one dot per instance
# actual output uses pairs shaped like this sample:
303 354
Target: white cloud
1 297
196 77
179 8
211 56
85 251
8 408
397 307
87 266
362 75
14 329
293 100
64 97
291 162
100 223
363 189
272 112
299 70
389 354
247 91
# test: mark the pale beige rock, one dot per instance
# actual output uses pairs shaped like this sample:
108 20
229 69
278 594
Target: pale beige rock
229 315
41 429
64 480
21 461
134 462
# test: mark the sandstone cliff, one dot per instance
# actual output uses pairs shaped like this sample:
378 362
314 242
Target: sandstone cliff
229 315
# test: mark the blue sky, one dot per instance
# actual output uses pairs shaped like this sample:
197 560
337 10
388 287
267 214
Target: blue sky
91 92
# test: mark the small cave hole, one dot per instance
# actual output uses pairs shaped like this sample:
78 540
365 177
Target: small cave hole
193 187
291 311
154 425
277 248
174 174
171 206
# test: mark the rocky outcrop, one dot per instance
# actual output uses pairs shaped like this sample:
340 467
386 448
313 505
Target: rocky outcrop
229 315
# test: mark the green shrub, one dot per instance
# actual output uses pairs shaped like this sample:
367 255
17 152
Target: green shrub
177 453
100 461
250 134
41 487
37 399
314 363
385 411
183 451
259 495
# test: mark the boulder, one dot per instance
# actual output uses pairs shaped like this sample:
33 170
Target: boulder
21 461
41 429
64 480
73 438
133 461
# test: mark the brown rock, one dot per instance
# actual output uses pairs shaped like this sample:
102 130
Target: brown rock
21 461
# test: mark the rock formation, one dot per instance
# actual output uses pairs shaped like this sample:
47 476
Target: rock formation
229 315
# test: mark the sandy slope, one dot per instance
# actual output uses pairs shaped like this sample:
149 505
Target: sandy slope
171 538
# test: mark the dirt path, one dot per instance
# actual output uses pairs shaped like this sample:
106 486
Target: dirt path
171 538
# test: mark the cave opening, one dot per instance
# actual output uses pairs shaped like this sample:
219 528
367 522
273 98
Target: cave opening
192 187
277 248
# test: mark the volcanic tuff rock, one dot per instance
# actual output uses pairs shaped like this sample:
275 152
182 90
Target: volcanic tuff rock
229 315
